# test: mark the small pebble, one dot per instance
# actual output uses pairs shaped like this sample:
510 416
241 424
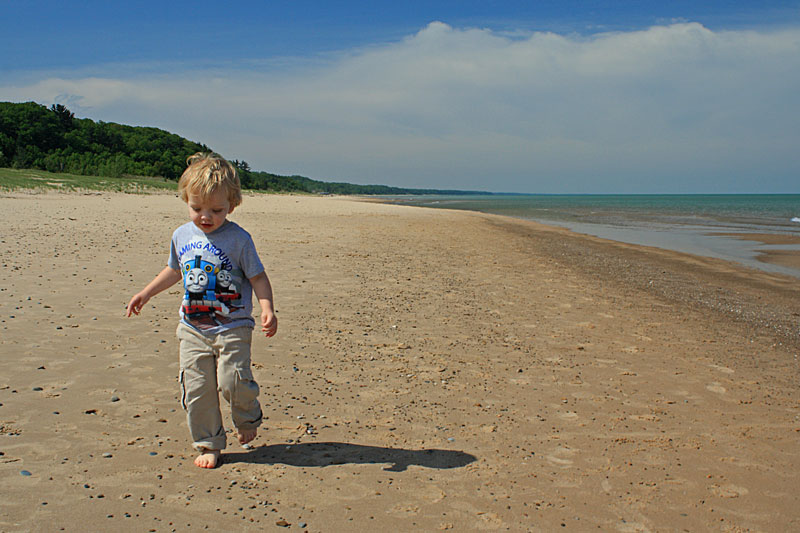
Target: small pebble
451 439
107 455
38 388
153 453
115 398
25 473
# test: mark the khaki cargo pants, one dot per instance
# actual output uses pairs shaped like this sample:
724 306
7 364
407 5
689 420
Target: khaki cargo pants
211 364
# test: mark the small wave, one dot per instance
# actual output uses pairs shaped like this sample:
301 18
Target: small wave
796 219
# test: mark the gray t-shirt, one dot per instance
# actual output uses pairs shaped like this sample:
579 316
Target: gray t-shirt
216 269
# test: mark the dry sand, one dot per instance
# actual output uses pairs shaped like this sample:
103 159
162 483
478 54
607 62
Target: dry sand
432 370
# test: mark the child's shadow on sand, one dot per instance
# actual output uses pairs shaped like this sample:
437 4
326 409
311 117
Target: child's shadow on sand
321 454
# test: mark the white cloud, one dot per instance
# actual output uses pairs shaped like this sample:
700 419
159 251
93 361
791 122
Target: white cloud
671 108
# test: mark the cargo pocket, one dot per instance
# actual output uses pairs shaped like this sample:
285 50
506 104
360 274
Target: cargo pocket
182 379
245 388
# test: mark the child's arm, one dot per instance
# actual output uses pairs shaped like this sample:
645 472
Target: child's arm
165 279
263 290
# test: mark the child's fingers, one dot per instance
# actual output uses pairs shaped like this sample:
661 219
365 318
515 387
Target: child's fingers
133 307
269 326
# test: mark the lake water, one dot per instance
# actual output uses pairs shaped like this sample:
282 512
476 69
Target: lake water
685 223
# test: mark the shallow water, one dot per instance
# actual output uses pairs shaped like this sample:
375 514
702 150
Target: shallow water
684 223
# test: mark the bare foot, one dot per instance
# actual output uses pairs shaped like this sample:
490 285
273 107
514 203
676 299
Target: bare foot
207 459
246 435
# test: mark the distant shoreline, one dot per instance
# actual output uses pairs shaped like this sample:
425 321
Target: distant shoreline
763 244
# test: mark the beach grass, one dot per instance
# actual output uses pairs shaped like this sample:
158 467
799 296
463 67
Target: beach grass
41 180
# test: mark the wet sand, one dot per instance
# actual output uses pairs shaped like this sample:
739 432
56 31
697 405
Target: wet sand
787 258
433 370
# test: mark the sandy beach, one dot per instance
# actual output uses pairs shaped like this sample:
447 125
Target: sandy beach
433 370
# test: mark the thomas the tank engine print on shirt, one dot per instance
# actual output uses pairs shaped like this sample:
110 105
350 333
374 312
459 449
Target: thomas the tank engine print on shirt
200 281
227 292
216 290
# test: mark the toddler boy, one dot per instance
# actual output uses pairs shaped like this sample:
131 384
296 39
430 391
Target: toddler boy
220 268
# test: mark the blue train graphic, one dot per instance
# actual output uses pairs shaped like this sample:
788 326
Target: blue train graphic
200 284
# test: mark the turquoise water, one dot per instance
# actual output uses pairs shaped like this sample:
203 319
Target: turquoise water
686 223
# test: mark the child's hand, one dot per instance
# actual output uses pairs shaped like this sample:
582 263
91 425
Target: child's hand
269 323
165 279
135 305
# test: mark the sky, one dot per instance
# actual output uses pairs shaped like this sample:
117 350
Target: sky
547 96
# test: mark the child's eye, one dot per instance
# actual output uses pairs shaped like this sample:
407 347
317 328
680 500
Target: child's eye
217 211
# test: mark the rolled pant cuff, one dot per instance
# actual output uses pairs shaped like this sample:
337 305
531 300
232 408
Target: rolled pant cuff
212 444
251 425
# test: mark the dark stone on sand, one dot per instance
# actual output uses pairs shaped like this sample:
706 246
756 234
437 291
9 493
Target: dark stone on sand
25 473
38 389
115 398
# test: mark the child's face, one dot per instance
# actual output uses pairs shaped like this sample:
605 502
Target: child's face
209 214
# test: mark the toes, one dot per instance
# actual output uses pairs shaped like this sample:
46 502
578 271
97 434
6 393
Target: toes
247 435
207 460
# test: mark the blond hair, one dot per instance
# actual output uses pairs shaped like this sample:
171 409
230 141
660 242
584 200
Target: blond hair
206 172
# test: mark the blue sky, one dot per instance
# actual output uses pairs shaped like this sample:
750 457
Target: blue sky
551 96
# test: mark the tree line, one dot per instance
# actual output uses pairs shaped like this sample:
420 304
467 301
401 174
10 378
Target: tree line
52 139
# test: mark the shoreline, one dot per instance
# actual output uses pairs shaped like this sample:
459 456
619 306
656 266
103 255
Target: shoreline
784 257
433 370
771 252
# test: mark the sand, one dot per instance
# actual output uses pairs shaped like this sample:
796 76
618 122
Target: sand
784 257
433 370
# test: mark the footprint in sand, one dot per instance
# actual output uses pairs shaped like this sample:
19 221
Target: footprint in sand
606 361
729 491
557 457
723 369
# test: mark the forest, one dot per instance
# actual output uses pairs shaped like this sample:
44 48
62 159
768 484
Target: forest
33 136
